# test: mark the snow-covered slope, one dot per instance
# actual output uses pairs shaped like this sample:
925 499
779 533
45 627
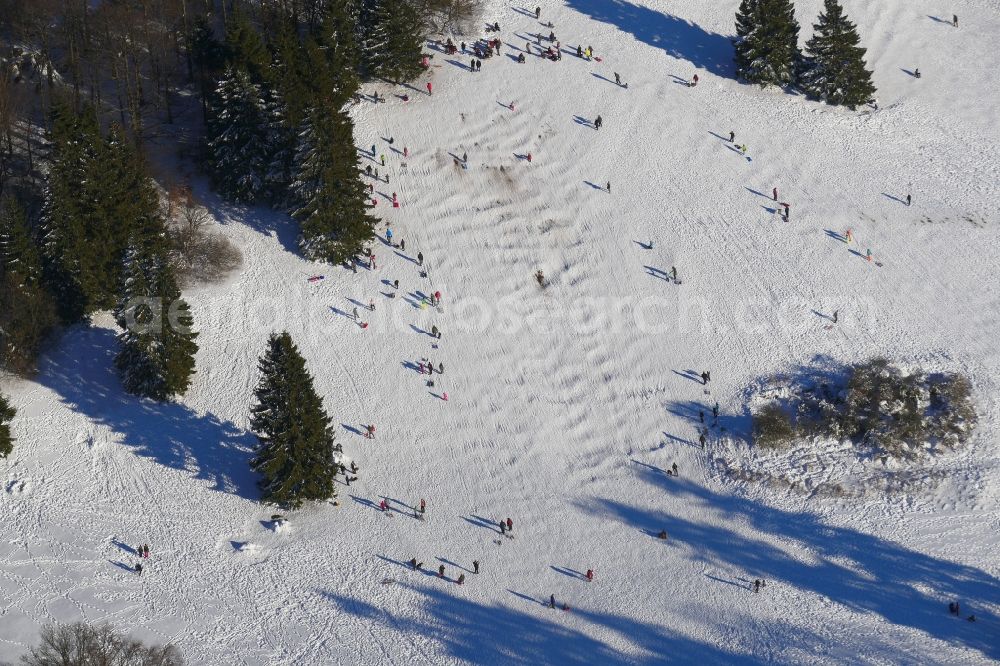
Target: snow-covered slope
566 405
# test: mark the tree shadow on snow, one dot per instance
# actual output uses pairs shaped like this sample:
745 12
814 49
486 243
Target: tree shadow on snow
81 371
678 37
495 633
262 219
860 572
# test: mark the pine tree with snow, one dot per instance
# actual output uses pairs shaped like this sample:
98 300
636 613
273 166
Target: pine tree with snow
295 454
392 40
70 258
834 69
27 312
156 347
239 143
766 43
330 201
7 413
18 253
339 43
244 48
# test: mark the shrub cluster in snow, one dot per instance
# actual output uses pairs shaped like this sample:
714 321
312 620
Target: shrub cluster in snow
874 405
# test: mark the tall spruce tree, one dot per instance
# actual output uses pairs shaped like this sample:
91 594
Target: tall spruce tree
295 455
245 50
339 42
157 346
207 55
7 413
240 134
72 261
767 42
330 201
18 253
392 40
27 313
835 70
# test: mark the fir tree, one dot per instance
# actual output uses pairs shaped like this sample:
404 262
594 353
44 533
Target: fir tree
835 69
339 41
7 413
207 56
295 454
392 40
18 253
156 347
766 42
70 258
330 200
27 313
245 50
239 138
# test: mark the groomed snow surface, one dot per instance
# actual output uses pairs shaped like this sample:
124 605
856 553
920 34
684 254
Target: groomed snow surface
566 404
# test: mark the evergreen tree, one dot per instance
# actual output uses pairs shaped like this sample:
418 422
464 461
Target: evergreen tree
6 415
767 36
295 454
339 42
392 40
240 135
27 313
330 201
156 347
18 253
245 50
207 56
71 265
835 69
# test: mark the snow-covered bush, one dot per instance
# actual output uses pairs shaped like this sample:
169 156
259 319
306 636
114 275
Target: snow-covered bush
873 405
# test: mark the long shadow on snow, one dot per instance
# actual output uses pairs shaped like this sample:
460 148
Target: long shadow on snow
478 633
82 372
677 37
859 571
264 220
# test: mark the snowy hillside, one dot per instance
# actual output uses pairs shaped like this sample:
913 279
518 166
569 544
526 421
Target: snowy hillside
566 404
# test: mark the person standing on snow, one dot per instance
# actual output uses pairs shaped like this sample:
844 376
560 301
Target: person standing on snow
732 136
510 525
704 377
430 89
552 601
420 258
909 199
774 193
475 566
590 575
538 12
598 122
618 79
673 273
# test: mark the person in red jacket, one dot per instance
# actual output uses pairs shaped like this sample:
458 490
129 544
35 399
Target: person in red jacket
429 88
590 574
